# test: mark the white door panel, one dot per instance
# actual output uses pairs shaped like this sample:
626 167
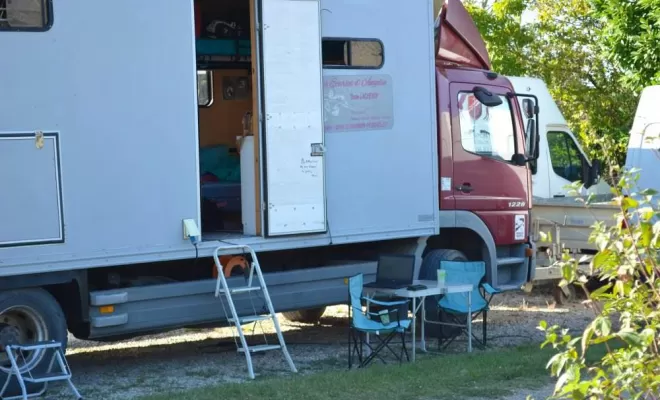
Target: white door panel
294 169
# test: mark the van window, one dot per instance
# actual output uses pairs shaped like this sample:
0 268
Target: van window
26 15
352 53
565 156
486 131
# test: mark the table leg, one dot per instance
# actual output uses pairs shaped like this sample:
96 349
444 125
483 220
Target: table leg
414 321
423 341
469 321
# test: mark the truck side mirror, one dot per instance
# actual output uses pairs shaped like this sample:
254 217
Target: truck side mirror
533 139
486 98
594 175
528 108
590 173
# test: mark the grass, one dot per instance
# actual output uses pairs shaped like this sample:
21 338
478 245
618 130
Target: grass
481 374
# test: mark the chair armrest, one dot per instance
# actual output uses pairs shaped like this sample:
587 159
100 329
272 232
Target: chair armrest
386 303
489 289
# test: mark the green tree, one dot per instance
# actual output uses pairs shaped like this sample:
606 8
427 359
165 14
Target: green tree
561 46
631 39
582 81
507 39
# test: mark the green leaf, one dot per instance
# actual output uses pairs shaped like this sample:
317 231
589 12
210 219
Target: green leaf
586 337
631 337
604 326
603 259
628 203
646 234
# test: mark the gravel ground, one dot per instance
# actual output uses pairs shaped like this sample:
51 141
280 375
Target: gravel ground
187 358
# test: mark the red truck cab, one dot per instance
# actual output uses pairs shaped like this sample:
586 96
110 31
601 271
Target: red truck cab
486 144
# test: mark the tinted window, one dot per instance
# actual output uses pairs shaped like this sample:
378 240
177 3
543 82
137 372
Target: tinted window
487 131
565 156
352 53
26 15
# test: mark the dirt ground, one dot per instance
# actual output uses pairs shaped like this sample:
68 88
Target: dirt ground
187 358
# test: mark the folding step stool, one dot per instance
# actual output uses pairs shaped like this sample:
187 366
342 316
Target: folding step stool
15 353
223 289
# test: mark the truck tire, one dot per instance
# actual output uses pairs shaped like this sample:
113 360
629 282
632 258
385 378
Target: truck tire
306 316
29 316
428 271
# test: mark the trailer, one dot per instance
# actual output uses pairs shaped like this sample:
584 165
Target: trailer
137 140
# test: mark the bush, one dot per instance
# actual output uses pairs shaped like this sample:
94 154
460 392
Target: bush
626 309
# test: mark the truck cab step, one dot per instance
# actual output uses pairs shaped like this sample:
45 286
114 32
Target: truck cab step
510 260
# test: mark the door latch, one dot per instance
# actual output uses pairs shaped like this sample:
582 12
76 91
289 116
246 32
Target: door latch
465 187
318 149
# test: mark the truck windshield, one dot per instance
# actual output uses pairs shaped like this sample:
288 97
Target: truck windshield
486 131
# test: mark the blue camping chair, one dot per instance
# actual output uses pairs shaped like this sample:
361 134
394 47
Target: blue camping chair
454 306
385 324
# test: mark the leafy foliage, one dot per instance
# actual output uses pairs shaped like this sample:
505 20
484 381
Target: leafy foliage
631 38
507 39
562 48
626 308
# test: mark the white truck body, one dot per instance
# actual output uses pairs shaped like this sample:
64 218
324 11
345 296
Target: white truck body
644 144
118 171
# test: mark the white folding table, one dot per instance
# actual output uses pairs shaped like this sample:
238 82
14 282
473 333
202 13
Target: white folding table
418 298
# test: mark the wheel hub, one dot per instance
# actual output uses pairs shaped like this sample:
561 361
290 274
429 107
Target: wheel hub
9 335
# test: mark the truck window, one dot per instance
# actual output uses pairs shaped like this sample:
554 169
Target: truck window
25 15
352 53
565 156
486 131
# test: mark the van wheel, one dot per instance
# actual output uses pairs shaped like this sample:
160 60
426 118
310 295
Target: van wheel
306 316
29 316
428 272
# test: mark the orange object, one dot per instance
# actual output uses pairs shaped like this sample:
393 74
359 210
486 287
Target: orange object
229 263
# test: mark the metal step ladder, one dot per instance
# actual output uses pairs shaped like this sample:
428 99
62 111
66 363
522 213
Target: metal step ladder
16 354
222 289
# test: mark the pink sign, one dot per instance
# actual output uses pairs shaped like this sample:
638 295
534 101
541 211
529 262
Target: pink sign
357 103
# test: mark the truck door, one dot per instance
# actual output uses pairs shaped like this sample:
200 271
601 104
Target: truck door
293 164
485 180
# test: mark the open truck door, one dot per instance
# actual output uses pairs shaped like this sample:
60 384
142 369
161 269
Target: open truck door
293 167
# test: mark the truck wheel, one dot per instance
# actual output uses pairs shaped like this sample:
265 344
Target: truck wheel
306 316
29 316
565 294
428 271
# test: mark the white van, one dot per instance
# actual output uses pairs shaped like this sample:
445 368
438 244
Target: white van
644 144
561 158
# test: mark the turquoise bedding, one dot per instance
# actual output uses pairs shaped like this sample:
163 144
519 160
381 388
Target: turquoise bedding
218 161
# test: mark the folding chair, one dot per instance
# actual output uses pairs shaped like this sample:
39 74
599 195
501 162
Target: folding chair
385 325
453 307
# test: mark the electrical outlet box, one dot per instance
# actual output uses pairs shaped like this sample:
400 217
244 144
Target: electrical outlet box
190 230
